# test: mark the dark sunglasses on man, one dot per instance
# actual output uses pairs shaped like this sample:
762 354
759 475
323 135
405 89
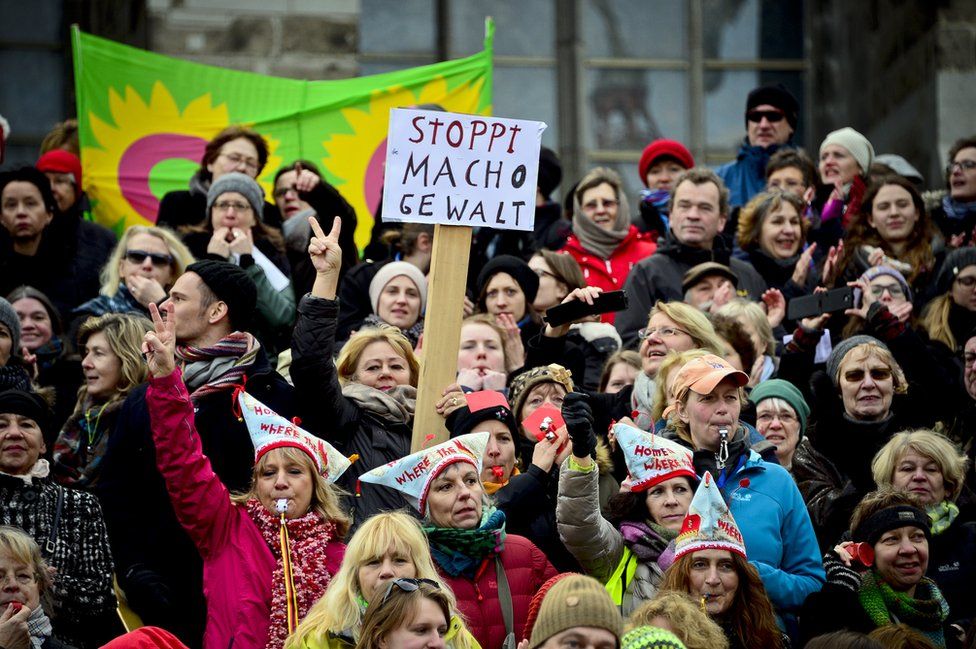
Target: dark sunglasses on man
770 115
139 256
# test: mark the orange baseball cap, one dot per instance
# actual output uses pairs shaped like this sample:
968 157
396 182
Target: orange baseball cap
702 374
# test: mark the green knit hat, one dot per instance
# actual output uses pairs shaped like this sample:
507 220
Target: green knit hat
780 389
650 637
575 601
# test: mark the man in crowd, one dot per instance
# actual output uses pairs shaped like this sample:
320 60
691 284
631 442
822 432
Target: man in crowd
699 210
156 562
709 285
771 117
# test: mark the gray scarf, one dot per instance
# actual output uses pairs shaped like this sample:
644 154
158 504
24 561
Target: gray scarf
594 238
642 400
39 627
396 406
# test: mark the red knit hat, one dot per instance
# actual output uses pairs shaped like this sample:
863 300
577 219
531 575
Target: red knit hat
63 162
664 148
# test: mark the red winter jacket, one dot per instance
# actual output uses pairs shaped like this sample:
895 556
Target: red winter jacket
237 563
611 274
526 569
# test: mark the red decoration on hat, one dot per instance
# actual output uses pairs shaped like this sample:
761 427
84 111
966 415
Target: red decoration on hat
545 420
485 399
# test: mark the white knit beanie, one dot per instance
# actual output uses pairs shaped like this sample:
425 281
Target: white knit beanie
395 269
857 144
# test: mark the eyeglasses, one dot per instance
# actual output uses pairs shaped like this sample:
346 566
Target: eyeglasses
544 273
968 281
609 203
238 206
768 417
770 115
22 578
281 192
894 290
409 585
237 159
662 332
139 256
964 165
878 374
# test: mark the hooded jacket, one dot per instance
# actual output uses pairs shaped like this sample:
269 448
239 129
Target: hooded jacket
746 175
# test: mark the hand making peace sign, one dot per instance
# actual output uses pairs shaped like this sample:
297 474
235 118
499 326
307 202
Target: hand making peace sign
159 346
326 256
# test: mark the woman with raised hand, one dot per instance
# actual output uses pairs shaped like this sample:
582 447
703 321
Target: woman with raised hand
364 401
627 550
269 554
493 574
386 547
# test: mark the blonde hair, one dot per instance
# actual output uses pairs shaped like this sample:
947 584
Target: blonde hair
20 547
884 355
325 496
752 313
694 628
339 609
935 321
488 321
359 341
672 361
951 461
182 257
124 334
694 322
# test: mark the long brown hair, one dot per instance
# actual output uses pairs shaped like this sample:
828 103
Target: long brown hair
919 251
751 616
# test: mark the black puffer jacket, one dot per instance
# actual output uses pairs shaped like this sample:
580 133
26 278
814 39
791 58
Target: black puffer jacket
158 565
325 411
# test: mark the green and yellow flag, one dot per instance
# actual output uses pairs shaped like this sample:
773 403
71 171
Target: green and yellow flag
144 120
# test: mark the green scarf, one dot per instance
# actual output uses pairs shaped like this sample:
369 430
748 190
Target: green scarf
925 613
942 516
461 552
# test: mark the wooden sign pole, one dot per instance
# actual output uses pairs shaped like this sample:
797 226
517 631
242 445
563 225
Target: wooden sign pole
442 329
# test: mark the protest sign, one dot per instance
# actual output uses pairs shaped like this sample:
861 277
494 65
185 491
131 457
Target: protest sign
454 169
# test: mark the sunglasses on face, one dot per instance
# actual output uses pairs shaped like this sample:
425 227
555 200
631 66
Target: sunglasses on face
139 256
878 374
409 585
770 115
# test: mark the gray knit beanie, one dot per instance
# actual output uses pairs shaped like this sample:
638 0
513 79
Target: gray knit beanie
243 185
857 144
840 350
8 318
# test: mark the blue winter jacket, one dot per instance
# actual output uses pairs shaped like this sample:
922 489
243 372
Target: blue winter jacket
779 537
746 175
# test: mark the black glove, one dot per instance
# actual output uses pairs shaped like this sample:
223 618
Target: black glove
579 423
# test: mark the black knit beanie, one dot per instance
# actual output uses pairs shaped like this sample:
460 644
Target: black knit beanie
232 286
518 269
955 262
777 96
26 404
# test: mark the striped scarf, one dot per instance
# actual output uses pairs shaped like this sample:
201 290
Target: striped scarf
221 367
925 612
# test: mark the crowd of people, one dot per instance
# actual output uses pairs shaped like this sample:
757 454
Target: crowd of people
206 423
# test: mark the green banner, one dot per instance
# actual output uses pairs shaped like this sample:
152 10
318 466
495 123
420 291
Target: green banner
144 120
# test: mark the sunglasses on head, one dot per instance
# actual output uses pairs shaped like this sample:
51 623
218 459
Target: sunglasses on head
770 115
139 256
409 585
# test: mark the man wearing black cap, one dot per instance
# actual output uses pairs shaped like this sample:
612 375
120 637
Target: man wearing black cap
771 117
157 564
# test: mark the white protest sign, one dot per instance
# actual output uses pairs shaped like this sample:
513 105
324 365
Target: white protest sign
455 169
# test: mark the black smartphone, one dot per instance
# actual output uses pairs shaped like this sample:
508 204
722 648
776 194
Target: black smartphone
576 310
808 306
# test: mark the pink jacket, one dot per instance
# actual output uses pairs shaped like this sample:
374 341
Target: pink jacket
237 563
